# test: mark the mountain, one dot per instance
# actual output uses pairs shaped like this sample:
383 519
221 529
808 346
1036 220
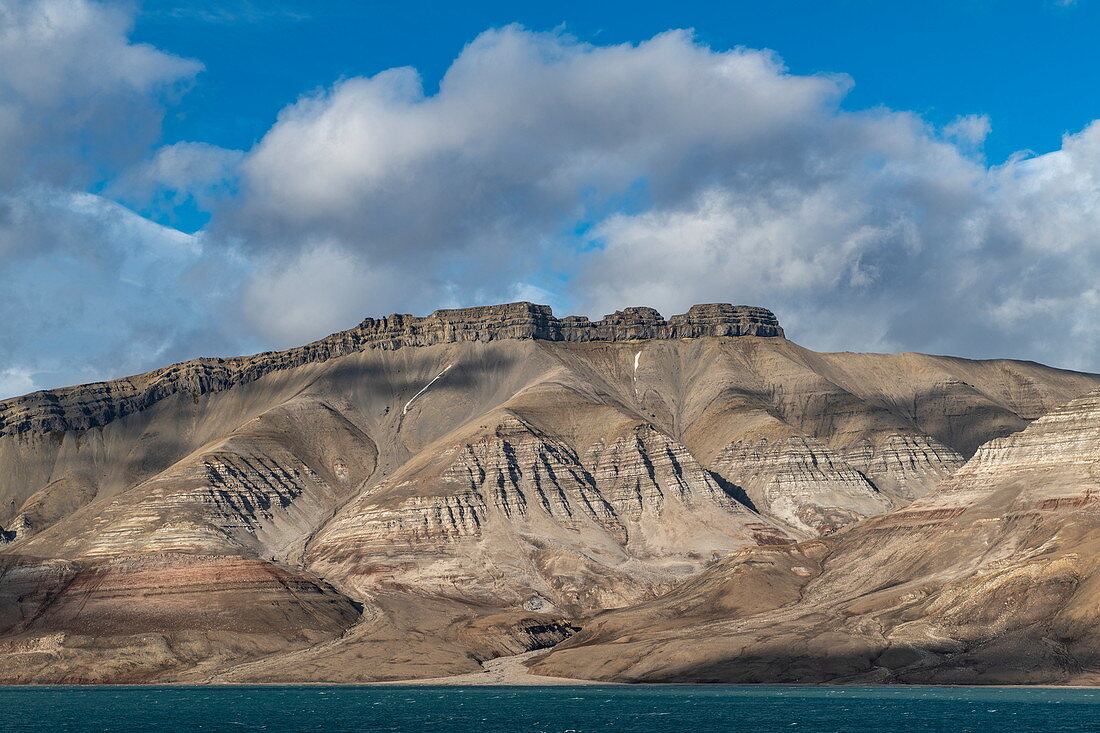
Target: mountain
413 496
993 577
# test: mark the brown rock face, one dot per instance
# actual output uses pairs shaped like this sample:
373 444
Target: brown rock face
512 514
416 495
156 616
92 405
802 482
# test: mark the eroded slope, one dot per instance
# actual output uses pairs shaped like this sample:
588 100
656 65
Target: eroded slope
991 578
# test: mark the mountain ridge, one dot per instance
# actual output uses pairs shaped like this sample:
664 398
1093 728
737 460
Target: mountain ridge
419 510
53 409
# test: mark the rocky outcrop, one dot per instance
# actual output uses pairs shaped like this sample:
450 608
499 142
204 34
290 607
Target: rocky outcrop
638 473
514 473
260 491
905 466
1053 466
715 319
816 489
92 405
800 481
546 520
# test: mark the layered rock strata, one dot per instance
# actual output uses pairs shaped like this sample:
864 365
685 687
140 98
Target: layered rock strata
156 615
906 466
544 521
91 405
991 578
802 482
260 491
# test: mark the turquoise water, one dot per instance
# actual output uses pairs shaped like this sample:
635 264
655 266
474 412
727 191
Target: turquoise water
552 709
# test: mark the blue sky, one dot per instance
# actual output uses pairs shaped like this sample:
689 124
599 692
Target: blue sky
193 178
1032 66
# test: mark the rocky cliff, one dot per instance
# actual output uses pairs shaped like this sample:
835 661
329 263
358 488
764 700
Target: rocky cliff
92 405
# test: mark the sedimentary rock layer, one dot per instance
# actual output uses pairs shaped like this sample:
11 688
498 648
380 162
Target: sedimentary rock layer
91 405
514 515
993 577
155 615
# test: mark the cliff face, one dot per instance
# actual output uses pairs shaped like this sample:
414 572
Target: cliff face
92 405
440 490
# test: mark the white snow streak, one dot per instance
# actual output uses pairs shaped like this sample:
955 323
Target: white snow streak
425 389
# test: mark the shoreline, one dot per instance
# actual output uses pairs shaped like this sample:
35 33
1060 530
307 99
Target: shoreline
500 672
556 682
510 671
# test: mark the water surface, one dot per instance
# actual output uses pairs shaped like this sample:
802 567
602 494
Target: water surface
550 709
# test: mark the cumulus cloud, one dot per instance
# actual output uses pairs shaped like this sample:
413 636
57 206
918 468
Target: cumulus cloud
969 130
291 295
591 177
931 253
90 289
16 381
540 125
667 173
530 135
75 95
185 174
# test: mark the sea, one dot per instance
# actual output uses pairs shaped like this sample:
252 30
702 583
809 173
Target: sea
647 709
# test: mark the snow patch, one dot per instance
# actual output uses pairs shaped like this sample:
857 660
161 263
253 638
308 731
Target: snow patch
424 389
635 377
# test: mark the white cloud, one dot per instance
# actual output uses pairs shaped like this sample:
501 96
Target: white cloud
998 262
75 94
178 174
301 296
95 291
527 132
91 289
969 130
667 173
16 381
592 177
